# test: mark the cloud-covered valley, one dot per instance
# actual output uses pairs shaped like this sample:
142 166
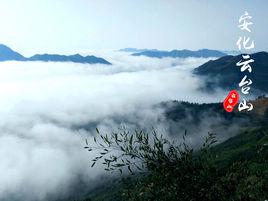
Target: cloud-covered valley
48 109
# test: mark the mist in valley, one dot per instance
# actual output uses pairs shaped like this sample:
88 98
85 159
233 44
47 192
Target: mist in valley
48 109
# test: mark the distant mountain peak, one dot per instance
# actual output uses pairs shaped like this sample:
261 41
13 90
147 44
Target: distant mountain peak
7 54
135 50
205 53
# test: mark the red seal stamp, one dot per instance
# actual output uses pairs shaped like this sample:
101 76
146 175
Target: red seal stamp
231 100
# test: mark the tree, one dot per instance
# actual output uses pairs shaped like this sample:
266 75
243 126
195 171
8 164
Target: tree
175 172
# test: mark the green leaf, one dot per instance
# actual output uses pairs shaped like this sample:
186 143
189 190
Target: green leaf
93 164
129 169
131 140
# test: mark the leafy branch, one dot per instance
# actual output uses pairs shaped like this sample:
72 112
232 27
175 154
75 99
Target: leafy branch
139 151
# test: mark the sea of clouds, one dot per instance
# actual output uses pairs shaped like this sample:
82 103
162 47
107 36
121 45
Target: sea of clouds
48 109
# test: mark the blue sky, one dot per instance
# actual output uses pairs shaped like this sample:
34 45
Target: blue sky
68 26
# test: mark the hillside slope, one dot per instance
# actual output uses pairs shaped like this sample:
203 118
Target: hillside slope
224 73
242 160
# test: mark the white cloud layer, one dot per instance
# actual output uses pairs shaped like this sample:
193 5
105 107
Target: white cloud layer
47 109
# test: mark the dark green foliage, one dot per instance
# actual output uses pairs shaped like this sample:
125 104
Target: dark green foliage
178 111
234 170
135 151
192 115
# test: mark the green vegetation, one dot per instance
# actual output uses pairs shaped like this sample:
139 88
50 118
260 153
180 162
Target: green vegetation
236 169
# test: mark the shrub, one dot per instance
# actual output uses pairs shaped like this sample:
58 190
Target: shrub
175 172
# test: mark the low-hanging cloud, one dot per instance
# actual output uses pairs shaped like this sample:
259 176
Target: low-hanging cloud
48 109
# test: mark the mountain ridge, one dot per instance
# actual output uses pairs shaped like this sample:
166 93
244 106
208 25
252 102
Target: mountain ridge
205 53
135 50
224 73
7 54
